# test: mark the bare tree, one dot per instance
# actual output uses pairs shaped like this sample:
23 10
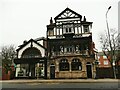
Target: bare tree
110 46
7 55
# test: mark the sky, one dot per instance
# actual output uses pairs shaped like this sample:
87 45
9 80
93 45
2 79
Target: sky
25 19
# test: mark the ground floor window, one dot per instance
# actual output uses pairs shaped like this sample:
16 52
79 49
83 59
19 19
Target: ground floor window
64 65
76 65
24 70
40 70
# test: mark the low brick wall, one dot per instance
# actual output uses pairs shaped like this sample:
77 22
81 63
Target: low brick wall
9 75
5 76
118 74
72 74
104 72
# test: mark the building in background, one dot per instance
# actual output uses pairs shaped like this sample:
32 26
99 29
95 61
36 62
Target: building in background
104 69
103 61
70 48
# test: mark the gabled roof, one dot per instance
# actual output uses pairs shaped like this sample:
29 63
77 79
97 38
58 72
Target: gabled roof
31 40
68 13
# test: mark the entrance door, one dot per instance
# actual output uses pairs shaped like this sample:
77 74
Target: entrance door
52 71
32 71
89 70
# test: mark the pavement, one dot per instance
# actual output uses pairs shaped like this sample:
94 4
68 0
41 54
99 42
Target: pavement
61 81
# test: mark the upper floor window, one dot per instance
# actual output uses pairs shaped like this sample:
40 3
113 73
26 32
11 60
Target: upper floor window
68 28
104 57
105 62
86 28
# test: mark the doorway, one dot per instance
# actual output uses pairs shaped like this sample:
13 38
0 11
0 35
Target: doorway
32 70
89 70
52 71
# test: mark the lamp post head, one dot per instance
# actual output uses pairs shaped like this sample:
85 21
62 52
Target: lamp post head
108 10
109 7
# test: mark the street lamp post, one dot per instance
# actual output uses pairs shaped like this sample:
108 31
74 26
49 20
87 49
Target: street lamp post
109 30
109 40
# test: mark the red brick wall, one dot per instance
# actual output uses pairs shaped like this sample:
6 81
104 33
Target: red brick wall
9 75
5 76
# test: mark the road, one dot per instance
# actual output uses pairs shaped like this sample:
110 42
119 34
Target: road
49 86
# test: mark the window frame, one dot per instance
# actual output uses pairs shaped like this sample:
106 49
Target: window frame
86 28
76 65
68 28
64 65
105 62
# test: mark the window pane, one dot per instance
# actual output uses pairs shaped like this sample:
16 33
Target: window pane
76 65
66 30
67 49
105 62
104 57
69 29
85 28
64 65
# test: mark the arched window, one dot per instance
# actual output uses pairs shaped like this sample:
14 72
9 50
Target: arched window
76 65
64 65
31 53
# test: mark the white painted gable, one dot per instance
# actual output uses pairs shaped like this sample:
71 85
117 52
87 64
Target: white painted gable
40 48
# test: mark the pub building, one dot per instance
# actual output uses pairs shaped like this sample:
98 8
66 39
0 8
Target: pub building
66 52
70 47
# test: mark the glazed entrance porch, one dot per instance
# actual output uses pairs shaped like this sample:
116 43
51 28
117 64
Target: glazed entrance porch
31 68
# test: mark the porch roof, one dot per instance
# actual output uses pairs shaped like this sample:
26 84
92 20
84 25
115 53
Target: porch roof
30 60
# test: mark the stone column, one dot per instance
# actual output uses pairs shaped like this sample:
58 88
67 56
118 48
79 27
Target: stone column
70 66
57 67
83 66
57 70
69 75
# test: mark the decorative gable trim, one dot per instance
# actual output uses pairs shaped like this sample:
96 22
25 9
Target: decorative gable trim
68 13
